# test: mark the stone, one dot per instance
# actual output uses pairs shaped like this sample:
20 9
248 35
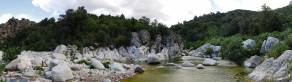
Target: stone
282 75
30 73
107 80
216 51
200 52
268 44
272 69
174 52
139 69
61 73
87 53
157 44
54 62
117 67
59 56
187 64
96 64
163 55
1 55
253 61
36 58
249 43
108 54
144 37
62 49
123 52
209 62
135 41
200 66
21 63
48 74
153 59
76 67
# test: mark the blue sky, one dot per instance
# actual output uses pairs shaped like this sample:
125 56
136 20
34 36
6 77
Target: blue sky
168 12
19 9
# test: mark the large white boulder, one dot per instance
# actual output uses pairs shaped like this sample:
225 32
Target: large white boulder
253 61
21 63
174 52
209 62
135 41
249 43
62 73
117 67
268 44
96 64
87 53
200 66
153 59
61 49
273 69
59 56
187 64
138 53
200 52
144 36
108 54
30 73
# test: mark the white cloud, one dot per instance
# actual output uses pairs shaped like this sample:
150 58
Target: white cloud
167 11
5 17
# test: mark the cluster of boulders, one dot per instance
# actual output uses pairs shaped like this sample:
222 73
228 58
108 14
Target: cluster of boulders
187 62
269 69
61 65
201 51
254 61
68 63
274 69
167 47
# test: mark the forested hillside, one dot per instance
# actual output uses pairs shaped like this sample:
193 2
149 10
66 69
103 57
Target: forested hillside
83 29
230 29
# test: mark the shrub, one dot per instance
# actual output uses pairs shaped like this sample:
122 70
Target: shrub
232 50
40 68
277 50
236 53
209 52
2 68
11 54
84 61
121 40
288 41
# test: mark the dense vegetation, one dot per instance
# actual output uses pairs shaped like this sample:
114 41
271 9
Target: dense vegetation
79 28
230 29
226 29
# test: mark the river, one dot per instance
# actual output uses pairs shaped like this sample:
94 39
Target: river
161 73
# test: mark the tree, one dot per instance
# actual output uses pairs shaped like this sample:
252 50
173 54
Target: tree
270 20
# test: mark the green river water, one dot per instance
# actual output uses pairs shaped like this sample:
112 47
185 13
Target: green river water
160 73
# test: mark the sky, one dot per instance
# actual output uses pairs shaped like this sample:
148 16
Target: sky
168 12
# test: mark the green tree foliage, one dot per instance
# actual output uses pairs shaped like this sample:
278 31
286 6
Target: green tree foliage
270 21
79 28
288 41
232 50
231 23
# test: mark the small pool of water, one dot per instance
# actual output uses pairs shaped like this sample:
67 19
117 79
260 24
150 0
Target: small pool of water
160 73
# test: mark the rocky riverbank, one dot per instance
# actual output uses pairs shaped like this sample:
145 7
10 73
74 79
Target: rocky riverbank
68 63
109 64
